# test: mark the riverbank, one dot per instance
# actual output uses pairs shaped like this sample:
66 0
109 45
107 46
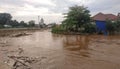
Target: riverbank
17 31
74 33
79 33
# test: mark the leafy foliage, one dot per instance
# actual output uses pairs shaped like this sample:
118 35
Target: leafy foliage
76 18
1 26
23 24
110 26
117 25
89 28
13 23
31 23
113 26
5 18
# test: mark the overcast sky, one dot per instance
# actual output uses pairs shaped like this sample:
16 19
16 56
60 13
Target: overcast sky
51 10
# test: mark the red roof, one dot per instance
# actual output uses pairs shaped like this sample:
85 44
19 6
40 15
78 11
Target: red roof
104 17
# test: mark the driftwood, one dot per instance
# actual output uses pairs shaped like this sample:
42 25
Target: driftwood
18 60
20 34
23 61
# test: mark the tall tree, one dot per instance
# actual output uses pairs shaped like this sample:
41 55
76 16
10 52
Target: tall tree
13 23
76 17
5 18
23 24
31 23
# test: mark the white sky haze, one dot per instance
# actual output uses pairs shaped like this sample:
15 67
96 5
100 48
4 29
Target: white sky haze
51 10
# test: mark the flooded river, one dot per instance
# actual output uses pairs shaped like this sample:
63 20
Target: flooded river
68 51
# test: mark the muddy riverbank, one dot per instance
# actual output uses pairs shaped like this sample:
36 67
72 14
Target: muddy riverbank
44 50
14 31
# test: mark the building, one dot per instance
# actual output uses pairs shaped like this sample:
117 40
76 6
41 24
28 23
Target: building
100 20
7 26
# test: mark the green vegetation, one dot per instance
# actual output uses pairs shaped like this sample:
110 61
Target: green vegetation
77 20
7 22
1 26
89 28
5 18
113 26
58 29
31 23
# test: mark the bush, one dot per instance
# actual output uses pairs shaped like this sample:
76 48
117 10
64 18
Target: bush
117 26
89 28
1 26
110 26
57 29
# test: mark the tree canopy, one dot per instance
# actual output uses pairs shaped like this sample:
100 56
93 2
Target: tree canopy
23 24
5 18
31 23
76 17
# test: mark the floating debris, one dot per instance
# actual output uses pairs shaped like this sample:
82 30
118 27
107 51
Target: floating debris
20 34
23 61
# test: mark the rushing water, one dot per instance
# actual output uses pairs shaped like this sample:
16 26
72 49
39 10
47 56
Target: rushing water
71 51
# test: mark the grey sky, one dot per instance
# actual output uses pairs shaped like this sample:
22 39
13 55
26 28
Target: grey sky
51 10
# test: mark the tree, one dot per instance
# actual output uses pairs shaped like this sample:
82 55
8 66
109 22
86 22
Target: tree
111 27
5 18
76 18
13 23
89 28
23 24
31 23
117 25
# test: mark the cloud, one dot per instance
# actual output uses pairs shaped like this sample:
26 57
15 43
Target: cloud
12 2
57 18
54 8
105 6
43 2
29 10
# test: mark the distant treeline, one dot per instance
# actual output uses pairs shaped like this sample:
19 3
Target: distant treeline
7 22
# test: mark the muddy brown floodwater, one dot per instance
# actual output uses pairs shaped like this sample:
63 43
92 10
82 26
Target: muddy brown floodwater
44 50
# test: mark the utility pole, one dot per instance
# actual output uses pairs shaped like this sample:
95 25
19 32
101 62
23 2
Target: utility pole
39 21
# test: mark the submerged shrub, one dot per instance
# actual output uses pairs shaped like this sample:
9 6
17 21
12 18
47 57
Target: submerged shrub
89 28
57 29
